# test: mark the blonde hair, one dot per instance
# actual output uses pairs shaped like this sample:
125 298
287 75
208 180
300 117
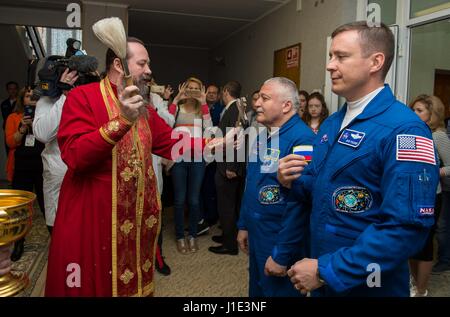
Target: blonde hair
198 108
436 108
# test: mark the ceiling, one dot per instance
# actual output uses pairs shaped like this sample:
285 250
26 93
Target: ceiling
179 23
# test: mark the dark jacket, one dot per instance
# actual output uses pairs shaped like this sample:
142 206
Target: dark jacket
228 120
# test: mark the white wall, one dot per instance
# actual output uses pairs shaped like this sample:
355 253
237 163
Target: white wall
249 54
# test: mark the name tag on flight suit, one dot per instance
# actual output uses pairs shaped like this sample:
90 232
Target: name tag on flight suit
351 138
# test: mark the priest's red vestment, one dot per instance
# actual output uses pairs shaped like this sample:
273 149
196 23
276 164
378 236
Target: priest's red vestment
108 218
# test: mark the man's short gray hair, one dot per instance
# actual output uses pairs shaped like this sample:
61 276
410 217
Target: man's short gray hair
289 90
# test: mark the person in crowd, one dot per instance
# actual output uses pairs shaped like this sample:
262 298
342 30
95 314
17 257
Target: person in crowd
229 178
160 104
7 105
45 127
191 114
430 110
372 181
24 158
208 197
272 230
303 97
107 224
316 111
214 103
251 113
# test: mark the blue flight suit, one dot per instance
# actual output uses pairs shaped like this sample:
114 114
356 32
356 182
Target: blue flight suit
276 227
373 188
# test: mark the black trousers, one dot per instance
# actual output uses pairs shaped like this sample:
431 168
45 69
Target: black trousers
229 195
208 195
29 181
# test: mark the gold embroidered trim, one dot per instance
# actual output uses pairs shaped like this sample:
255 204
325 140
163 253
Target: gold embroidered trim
106 137
151 221
126 227
127 276
147 265
103 85
127 174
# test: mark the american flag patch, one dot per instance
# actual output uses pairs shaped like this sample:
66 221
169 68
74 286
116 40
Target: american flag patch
415 148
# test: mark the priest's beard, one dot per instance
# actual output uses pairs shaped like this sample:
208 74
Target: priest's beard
144 91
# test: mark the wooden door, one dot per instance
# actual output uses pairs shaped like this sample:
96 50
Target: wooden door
442 88
287 63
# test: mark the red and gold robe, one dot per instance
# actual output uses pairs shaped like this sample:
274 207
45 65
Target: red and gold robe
108 219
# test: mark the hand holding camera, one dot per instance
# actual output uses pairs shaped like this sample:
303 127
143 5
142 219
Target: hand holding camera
69 77
185 93
26 121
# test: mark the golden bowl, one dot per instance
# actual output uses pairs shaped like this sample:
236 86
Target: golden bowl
16 215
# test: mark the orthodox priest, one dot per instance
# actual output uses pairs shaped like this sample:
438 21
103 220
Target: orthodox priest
108 219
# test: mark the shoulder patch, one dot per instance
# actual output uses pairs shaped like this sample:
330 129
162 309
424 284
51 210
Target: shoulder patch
304 150
415 148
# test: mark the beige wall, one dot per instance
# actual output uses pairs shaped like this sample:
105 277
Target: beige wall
249 54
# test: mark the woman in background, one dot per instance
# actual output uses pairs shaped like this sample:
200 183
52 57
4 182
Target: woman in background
431 110
191 114
316 111
24 158
303 97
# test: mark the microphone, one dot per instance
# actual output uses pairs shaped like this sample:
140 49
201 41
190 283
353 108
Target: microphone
83 63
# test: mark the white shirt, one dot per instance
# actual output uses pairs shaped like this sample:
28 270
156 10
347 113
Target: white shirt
45 128
161 107
355 108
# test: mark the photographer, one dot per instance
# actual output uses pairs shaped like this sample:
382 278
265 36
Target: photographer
24 166
45 127
191 114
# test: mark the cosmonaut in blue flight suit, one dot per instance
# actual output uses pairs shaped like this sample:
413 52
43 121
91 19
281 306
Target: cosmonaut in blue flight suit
373 187
276 227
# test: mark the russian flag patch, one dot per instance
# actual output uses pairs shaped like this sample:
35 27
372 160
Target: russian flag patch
304 150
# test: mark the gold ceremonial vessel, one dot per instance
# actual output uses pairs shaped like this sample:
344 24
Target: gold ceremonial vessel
16 215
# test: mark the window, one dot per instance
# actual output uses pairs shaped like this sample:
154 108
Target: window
430 65
54 40
424 7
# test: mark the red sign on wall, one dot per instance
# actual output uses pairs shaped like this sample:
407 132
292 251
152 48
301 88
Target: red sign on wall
292 57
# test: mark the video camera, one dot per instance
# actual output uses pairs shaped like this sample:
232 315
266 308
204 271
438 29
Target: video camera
52 67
